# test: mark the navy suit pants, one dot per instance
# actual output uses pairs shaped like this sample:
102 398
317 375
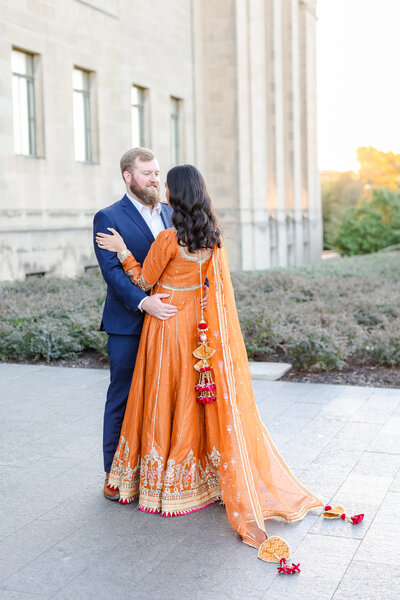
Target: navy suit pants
122 352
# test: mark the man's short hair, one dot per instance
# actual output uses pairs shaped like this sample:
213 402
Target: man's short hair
128 160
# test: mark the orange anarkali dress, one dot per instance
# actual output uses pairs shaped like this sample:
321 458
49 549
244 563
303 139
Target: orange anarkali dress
175 454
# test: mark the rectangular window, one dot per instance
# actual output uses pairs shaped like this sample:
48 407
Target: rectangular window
24 111
138 116
176 130
82 115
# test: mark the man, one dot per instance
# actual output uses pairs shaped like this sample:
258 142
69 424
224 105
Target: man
138 217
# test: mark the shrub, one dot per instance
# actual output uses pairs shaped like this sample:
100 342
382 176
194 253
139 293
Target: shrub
383 347
51 318
369 316
319 317
30 339
258 329
371 226
315 349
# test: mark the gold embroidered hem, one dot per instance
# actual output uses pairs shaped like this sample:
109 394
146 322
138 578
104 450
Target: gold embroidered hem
174 490
152 501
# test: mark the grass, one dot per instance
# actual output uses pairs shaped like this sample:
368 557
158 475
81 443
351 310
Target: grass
319 317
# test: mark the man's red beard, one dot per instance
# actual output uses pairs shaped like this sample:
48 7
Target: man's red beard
150 195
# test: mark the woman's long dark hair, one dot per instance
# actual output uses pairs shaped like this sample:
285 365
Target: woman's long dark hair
193 216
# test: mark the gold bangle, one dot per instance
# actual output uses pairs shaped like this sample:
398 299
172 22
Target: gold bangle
123 255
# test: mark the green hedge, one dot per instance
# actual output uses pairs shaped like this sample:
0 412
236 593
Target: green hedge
51 318
320 317
324 316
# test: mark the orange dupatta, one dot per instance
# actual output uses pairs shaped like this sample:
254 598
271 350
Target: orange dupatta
256 484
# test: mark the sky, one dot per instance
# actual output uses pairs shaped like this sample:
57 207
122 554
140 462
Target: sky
358 53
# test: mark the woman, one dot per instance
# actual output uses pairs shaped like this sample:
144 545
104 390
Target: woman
179 452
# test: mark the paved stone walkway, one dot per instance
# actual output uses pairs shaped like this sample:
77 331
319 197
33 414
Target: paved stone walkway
61 539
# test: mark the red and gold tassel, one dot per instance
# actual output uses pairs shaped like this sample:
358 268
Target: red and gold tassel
275 549
338 513
206 388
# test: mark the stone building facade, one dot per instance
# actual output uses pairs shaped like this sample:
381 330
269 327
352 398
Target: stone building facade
227 85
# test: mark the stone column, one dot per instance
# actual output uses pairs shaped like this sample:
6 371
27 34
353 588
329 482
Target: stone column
275 133
252 154
292 132
220 150
197 84
311 197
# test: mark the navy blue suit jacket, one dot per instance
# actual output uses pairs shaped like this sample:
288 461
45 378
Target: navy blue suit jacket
120 314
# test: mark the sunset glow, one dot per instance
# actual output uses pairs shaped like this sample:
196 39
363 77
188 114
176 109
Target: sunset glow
358 84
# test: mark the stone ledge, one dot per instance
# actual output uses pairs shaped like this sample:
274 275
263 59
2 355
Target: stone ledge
269 371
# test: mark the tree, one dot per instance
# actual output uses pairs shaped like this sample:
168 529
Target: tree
379 169
339 192
371 226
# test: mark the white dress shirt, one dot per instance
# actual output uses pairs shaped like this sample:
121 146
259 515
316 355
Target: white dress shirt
153 221
153 218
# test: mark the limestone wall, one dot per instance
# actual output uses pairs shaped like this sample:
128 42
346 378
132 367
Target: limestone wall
246 74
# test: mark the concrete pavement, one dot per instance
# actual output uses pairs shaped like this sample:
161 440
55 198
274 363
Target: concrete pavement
61 539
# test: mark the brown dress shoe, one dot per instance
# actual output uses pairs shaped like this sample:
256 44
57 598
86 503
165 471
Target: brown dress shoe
110 492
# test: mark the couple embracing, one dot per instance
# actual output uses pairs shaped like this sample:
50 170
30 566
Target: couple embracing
181 427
